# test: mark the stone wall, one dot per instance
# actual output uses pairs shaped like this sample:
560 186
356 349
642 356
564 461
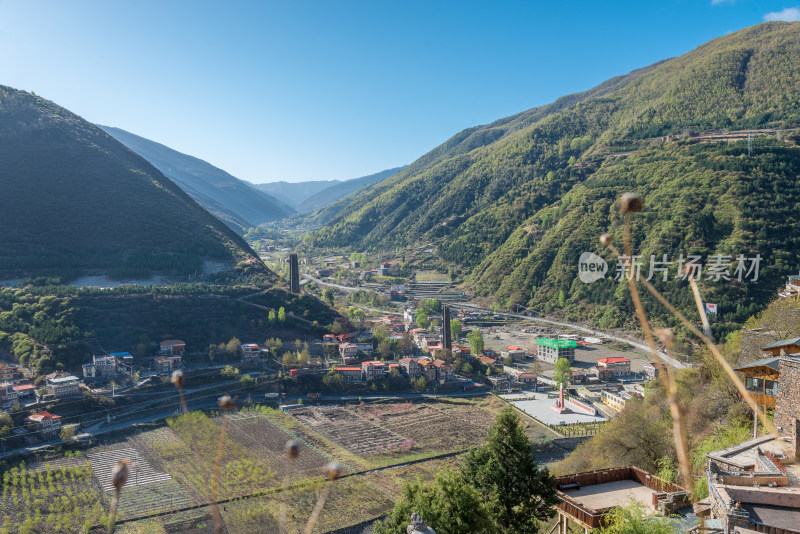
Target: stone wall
787 405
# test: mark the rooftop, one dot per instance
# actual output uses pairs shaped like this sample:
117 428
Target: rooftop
616 359
63 380
556 343
43 416
783 343
169 342
772 363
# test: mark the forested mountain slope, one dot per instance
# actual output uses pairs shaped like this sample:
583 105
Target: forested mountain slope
240 204
517 201
340 190
75 198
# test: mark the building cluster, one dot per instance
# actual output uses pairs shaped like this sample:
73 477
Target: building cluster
755 485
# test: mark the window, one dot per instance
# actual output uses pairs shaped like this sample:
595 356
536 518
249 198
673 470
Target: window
772 388
754 384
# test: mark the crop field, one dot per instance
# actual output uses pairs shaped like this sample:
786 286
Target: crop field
172 468
50 499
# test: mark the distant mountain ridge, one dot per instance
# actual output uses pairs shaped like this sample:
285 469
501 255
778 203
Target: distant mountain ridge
515 202
75 198
293 193
236 202
341 190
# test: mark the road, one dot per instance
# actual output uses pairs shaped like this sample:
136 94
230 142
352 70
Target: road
337 286
668 359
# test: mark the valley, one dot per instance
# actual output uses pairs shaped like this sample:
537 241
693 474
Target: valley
581 317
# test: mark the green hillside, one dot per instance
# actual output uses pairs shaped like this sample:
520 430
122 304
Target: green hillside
239 204
74 198
516 202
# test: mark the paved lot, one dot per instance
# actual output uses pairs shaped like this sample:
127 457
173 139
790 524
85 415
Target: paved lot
619 493
539 407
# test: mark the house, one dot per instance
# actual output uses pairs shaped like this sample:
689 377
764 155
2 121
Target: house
515 353
499 382
429 370
790 346
364 346
251 353
526 379
753 486
172 347
349 374
619 366
8 373
329 338
551 350
44 424
489 362
409 316
652 370
615 399
104 365
444 370
166 364
63 386
603 375
792 288
374 370
8 396
25 391
348 351
411 367
761 379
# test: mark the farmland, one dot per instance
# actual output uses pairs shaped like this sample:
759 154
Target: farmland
173 466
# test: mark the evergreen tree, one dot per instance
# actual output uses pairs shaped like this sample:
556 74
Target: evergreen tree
518 491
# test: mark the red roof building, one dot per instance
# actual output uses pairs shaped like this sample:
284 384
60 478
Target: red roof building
44 424
619 366
349 373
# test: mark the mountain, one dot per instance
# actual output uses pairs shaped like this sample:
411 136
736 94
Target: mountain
74 198
236 202
293 193
514 203
342 189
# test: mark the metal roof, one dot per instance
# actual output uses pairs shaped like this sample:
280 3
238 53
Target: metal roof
772 363
783 343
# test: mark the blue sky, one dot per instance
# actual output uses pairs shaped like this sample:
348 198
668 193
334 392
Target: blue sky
298 90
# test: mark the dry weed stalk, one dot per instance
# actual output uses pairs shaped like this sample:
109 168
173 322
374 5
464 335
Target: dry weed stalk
333 471
178 379
119 476
292 452
225 403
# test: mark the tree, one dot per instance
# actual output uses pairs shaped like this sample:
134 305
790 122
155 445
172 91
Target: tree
455 328
271 316
519 493
67 433
508 361
475 339
381 332
385 348
420 384
289 359
247 381
333 380
282 315
303 358
229 371
327 296
636 519
449 505
563 372
422 319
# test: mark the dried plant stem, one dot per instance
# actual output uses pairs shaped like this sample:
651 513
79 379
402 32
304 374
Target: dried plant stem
183 400
286 481
217 466
715 351
113 515
312 521
678 417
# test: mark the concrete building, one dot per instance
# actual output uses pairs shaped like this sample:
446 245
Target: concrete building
619 366
550 350
63 386
251 353
8 373
44 424
172 347
447 341
8 396
349 373
164 365
411 367
374 370
348 351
